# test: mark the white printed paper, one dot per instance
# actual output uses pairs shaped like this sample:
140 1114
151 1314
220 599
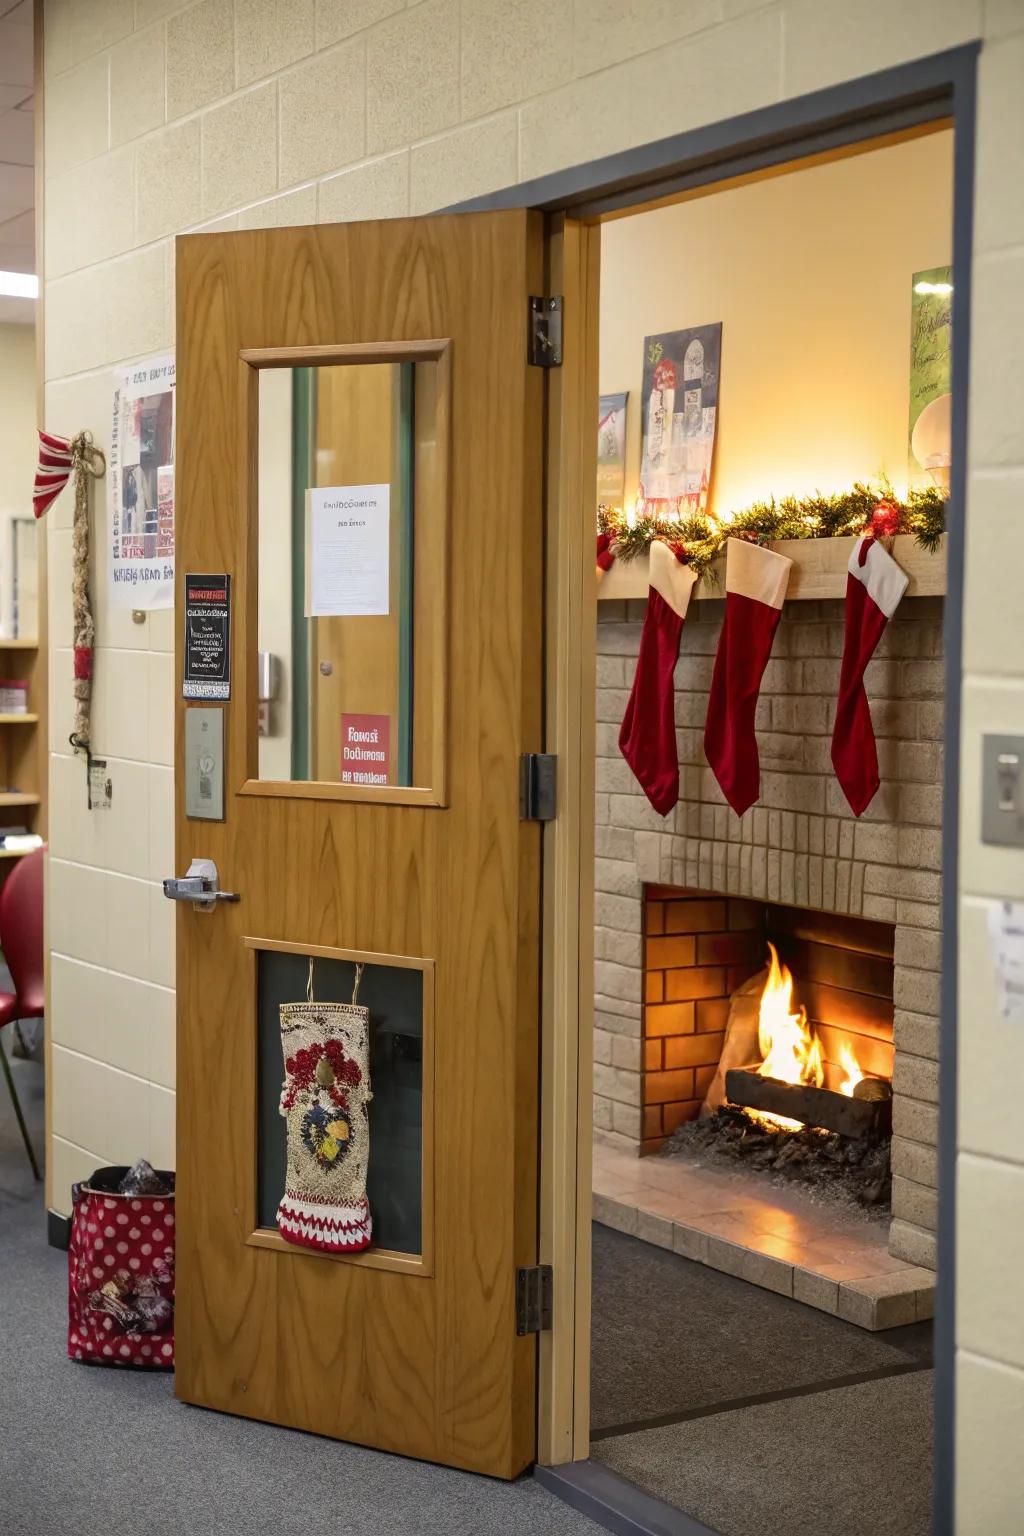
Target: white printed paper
349 544
140 476
1006 932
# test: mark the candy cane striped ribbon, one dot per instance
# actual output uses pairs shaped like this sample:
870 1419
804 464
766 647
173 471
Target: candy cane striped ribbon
56 461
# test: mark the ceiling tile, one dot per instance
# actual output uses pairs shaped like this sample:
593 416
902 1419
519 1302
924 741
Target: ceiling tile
15 54
17 138
17 189
17 258
11 96
21 230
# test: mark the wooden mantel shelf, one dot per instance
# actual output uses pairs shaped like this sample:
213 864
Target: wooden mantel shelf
819 571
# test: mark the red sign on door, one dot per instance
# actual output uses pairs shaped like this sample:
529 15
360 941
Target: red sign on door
366 749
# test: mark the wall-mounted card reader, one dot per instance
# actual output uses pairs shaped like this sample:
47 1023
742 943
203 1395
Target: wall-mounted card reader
204 763
1002 790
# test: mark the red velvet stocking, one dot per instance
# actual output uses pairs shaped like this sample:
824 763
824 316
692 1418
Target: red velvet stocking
874 587
647 739
755 588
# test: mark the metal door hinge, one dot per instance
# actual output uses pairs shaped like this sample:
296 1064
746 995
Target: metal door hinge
545 333
533 1299
537 786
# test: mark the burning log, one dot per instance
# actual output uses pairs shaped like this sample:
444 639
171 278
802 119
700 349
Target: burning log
860 1115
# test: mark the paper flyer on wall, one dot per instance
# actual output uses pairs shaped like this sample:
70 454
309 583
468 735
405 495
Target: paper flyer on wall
141 480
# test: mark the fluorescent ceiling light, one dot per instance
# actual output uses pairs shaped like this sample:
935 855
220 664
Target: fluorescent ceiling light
933 288
19 285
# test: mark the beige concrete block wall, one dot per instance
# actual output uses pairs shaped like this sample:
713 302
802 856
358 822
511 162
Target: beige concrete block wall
526 87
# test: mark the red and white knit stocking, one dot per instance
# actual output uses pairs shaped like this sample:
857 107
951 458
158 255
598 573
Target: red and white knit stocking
874 586
324 1101
647 739
755 589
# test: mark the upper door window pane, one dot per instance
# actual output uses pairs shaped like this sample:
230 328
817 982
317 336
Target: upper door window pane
351 575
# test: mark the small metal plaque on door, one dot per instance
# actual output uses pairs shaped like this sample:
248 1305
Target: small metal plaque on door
204 763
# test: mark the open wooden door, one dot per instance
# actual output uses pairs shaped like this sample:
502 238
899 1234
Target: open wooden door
378 822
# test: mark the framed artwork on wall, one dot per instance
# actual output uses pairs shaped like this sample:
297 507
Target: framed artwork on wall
680 406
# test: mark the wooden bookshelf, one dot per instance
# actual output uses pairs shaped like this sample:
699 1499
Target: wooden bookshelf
22 749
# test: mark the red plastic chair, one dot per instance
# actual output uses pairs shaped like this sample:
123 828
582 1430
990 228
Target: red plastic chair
21 938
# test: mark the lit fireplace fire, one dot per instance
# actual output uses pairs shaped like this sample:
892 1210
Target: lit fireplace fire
791 1050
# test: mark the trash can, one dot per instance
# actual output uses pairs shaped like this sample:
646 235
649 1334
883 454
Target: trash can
121 1273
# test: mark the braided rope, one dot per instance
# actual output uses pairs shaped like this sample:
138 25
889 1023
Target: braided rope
88 463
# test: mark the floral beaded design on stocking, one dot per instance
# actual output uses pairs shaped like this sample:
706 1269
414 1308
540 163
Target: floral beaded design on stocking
324 1101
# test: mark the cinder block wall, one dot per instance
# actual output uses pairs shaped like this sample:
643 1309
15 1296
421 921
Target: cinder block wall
800 845
166 115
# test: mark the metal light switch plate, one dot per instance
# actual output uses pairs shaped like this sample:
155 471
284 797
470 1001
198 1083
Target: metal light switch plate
1002 790
204 763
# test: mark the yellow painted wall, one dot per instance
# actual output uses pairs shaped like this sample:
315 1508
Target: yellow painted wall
810 275
172 115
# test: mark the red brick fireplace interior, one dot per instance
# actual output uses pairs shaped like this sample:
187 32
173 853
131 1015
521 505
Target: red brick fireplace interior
699 948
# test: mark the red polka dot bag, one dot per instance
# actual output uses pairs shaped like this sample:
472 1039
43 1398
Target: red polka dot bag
121 1274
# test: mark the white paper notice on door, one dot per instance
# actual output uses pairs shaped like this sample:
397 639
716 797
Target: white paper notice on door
349 551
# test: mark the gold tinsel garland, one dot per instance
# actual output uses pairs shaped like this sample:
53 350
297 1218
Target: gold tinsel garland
698 539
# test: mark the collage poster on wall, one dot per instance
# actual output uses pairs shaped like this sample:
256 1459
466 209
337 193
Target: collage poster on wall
680 407
931 331
611 450
141 481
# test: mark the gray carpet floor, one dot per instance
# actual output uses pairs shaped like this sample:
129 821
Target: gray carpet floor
675 1341
670 1336
90 1452
853 1461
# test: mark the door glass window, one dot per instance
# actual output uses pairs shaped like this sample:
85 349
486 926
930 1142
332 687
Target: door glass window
351 574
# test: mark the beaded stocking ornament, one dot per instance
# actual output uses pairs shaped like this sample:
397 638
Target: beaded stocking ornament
324 1100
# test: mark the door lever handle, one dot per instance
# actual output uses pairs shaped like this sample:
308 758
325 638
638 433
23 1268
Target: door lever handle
200 885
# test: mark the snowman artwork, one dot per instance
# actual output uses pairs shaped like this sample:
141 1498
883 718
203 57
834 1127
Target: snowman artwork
680 385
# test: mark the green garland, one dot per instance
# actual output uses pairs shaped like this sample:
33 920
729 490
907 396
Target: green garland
702 538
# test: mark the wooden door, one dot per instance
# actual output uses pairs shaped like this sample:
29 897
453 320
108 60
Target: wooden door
432 879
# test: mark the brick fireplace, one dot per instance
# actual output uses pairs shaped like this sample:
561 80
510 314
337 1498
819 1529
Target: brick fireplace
699 948
681 902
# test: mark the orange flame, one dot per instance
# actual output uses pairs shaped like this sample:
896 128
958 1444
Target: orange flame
791 1051
850 1065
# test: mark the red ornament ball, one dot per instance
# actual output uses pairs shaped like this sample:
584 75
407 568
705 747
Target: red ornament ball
885 520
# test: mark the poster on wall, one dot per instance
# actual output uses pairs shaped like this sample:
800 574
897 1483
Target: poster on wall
350 546
931 331
141 486
611 450
680 408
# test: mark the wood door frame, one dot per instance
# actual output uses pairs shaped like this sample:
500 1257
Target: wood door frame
836 120
567 955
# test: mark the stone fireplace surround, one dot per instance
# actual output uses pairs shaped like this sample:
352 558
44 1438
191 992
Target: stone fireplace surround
800 845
